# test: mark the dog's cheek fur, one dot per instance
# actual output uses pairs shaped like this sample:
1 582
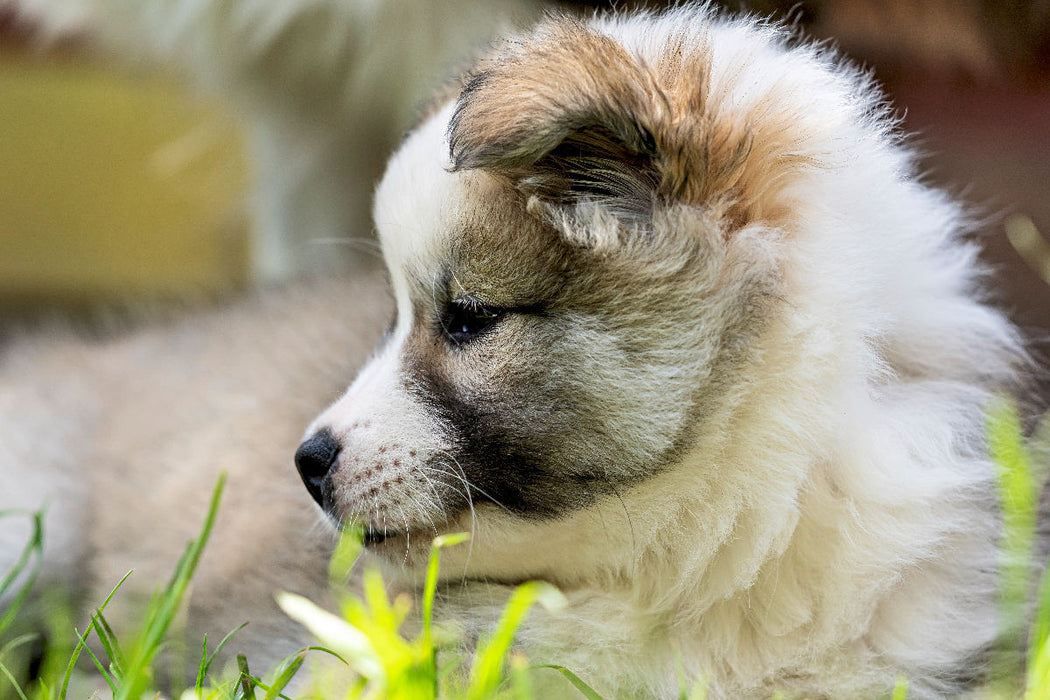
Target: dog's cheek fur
531 428
603 385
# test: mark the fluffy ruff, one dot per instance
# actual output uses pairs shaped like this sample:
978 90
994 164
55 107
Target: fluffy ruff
737 415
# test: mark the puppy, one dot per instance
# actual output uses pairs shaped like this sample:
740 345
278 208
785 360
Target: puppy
680 331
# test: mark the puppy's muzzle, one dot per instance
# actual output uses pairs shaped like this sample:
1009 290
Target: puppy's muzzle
315 459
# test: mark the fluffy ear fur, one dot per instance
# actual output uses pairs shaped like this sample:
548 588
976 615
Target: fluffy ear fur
571 115
592 139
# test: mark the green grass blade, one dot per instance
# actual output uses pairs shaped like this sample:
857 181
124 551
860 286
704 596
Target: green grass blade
17 642
14 682
377 600
207 661
577 682
8 648
1019 497
521 677
31 554
109 643
699 690
450 667
57 621
430 585
81 644
1038 634
354 647
487 673
324 650
202 669
679 668
430 592
246 684
347 551
34 544
1017 489
1038 681
285 677
163 607
98 663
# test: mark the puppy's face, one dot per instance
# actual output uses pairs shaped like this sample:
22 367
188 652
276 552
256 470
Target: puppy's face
563 329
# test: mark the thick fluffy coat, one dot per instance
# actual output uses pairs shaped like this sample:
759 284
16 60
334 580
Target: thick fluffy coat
680 331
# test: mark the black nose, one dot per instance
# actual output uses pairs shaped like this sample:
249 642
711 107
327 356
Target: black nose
314 459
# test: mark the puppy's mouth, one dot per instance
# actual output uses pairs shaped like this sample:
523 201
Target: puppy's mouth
382 537
372 535
379 539
376 536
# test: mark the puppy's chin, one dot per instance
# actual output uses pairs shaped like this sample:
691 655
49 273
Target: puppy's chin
404 553
491 551
402 556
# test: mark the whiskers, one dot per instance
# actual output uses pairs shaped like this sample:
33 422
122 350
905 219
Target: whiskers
461 485
462 488
627 513
430 495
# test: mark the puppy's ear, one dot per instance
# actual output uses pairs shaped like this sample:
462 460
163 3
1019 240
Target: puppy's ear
568 114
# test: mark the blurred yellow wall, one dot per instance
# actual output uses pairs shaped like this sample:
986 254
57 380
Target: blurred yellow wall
114 185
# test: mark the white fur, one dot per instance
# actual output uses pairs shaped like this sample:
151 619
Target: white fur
833 527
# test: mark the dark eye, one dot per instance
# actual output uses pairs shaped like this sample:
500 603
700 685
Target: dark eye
464 320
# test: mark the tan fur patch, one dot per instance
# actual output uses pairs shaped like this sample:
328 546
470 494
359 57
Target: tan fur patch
567 79
526 97
714 157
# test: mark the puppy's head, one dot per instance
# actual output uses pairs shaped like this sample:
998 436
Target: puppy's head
581 248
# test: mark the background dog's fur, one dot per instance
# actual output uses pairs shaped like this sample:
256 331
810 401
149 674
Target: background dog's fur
124 438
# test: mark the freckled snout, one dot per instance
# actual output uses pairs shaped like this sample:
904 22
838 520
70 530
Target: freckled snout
315 460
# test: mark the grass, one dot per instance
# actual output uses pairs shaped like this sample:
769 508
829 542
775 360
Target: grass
372 657
1020 480
366 638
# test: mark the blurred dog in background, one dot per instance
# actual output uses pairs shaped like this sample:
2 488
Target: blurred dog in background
325 89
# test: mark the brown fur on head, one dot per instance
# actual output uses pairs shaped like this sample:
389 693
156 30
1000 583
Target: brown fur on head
568 112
